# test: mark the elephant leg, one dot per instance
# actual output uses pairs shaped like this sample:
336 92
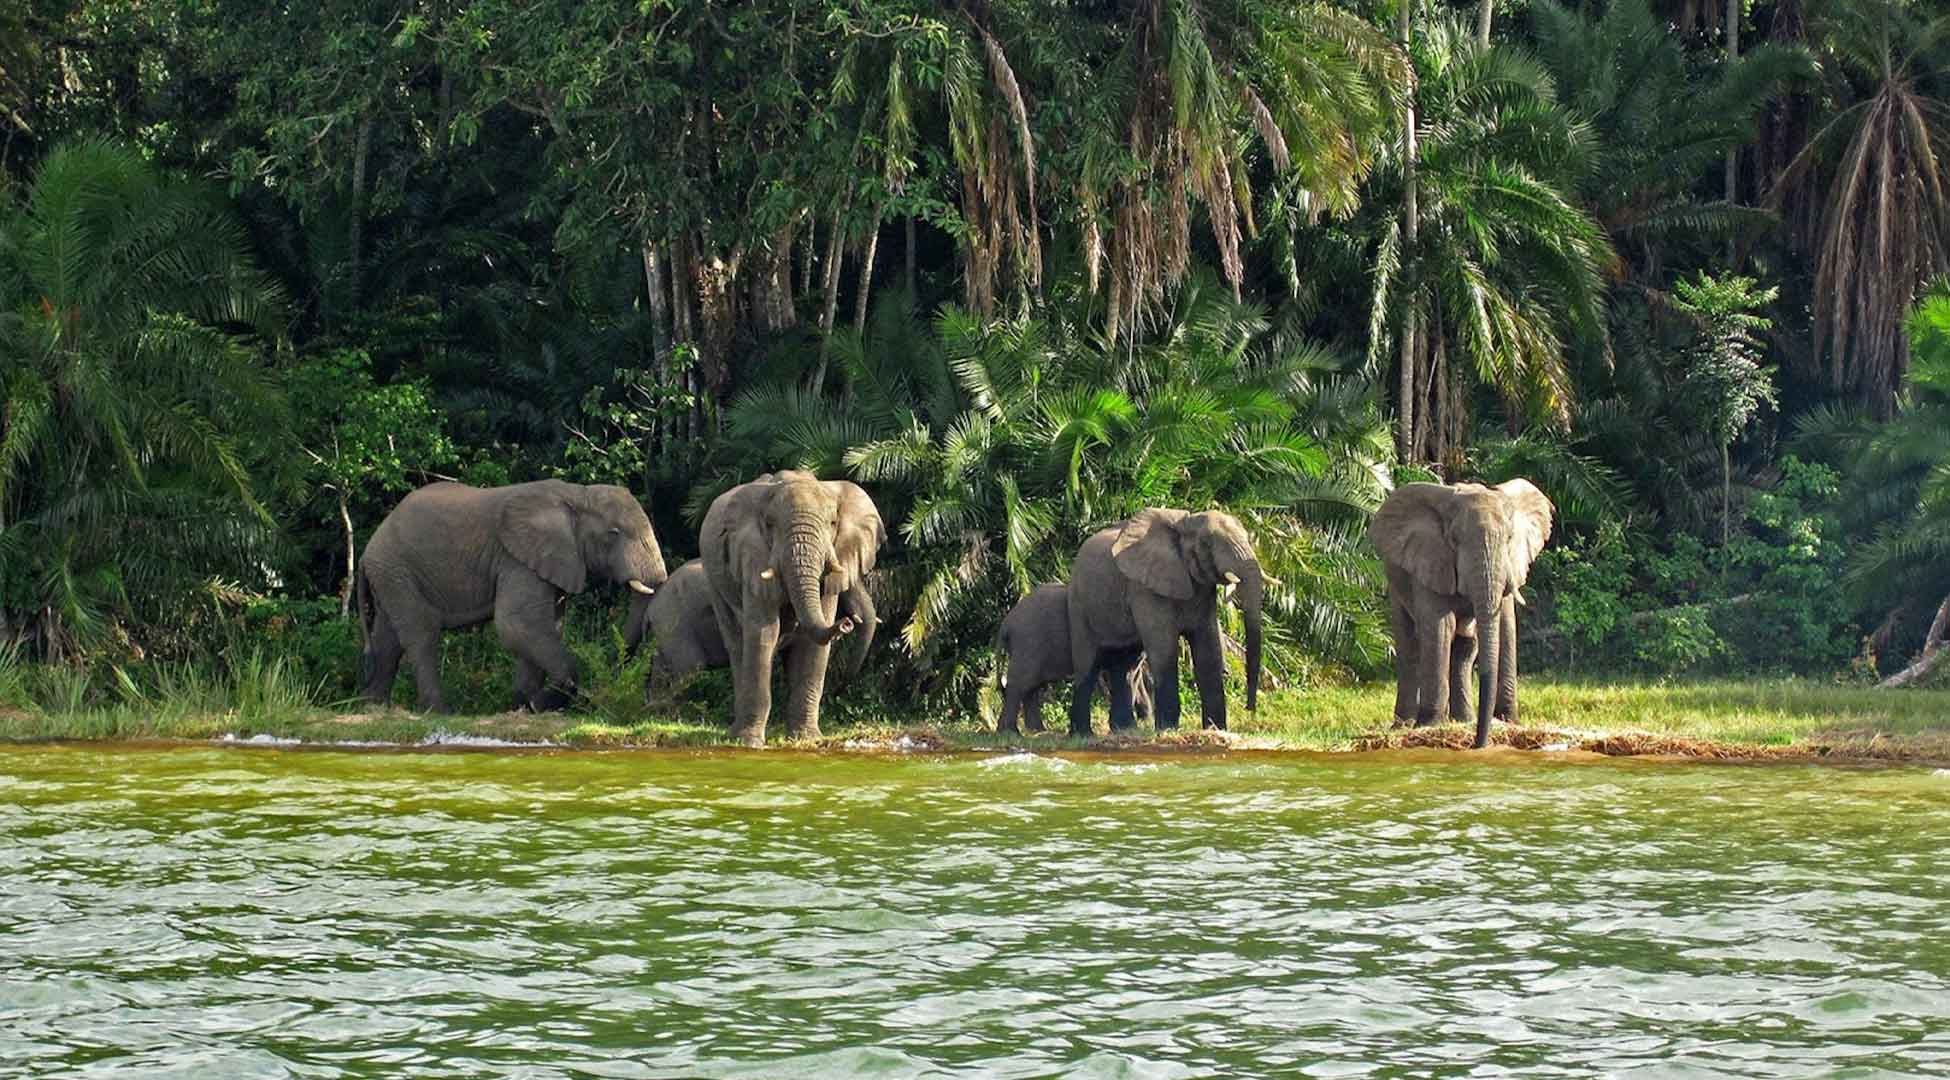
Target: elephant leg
1117 688
1012 704
751 683
1408 664
1161 650
423 650
1081 688
1438 634
1209 672
525 621
381 660
1506 664
528 683
1462 657
805 675
1032 711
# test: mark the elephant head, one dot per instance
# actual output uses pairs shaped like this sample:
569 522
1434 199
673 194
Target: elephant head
567 533
821 538
1176 554
1469 541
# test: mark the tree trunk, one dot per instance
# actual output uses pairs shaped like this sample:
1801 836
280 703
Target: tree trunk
351 557
1405 436
866 271
1483 12
657 303
831 307
772 283
909 254
682 329
1931 656
355 232
1733 152
1726 495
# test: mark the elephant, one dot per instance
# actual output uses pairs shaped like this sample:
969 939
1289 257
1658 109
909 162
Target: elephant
451 556
1034 638
686 628
781 555
684 624
1140 586
1456 558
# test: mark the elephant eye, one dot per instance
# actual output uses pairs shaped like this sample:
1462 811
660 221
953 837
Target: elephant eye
614 531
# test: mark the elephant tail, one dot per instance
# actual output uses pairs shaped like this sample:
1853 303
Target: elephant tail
1001 658
368 611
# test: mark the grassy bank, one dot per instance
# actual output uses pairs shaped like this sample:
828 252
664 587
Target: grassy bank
1776 719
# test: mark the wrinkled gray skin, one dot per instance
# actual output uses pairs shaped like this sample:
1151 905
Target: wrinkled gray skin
1035 640
1141 586
685 627
780 555
1456 556
451 556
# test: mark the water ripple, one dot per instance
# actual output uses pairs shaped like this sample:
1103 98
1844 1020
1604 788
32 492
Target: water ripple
283 913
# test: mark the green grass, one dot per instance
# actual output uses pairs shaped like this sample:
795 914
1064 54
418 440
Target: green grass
253 695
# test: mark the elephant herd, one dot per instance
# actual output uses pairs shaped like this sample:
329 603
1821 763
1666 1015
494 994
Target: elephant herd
782 575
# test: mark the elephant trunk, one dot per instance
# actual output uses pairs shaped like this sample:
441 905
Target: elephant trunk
858 602
637 624
1486 597
808 550
645 572
1251 596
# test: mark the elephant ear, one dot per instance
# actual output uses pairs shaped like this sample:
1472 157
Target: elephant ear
538 528
1409 531
861 532
1530 524
1147 552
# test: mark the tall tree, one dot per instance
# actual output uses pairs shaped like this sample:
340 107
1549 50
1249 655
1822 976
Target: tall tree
128 397
1878 168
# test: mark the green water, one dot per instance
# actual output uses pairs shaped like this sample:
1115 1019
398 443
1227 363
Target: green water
247 913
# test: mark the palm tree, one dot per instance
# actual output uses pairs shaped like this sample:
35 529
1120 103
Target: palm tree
1659 122
130 395
1144 116
1062 432
1900 470
1878 164
1506 271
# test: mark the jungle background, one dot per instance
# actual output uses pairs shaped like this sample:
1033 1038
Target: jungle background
1020 267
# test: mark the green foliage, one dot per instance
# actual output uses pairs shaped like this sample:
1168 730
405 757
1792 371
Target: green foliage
363 437
134 400
1620 600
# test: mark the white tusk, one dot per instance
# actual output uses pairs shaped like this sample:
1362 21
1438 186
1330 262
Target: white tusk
1231 578
1227 591
1520 600
641 587
766 574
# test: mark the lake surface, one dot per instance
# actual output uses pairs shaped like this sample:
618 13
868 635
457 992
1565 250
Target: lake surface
261 913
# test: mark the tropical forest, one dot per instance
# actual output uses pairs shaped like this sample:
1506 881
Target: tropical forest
919 539
1019 269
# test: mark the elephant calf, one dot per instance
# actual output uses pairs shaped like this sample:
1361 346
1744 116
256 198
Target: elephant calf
1035 640
451 556
681 619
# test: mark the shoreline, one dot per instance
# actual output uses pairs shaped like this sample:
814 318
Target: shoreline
447 734
1788 721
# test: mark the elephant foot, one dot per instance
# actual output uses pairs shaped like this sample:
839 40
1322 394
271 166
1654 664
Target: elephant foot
1425 721
1081 733
751 738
